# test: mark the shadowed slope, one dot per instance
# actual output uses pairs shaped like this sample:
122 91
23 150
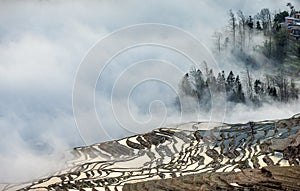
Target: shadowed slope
268 178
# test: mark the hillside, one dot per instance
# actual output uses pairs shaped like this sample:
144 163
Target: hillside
170 152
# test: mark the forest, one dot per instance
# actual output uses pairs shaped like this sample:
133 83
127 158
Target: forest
276 58
261 41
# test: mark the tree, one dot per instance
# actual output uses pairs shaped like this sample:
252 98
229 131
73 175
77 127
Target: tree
205 100
280 17
281 82
265 17
266 50
294 92
258 87
250 22
226 42
258 26
206 69
211 81
273 93
249 84
277 87
287 52
281 45
242 28
218 37
230 82
232 24
221 82
185 86
239 94
292 8
202 90
198 82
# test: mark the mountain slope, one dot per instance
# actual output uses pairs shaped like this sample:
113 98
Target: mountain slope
173 152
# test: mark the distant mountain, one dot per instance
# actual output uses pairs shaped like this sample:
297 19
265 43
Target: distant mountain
200 148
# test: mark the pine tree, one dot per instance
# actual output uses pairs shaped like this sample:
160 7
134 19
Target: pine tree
185 86
239 90
211 81
205 101
198 82
221 82
258 26
258 87
230 82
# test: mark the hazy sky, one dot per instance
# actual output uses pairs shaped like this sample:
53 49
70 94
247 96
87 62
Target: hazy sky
42 43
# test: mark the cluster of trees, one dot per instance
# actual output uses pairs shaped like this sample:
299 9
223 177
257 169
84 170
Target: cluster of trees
281 50
244 90
241 29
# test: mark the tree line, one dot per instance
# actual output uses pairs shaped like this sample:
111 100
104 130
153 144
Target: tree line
242 89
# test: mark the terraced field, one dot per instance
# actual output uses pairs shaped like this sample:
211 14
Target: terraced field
172 152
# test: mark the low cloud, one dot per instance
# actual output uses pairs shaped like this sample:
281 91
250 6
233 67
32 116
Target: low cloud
41 46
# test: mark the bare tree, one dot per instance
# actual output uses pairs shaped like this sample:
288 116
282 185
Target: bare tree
265 17
242 27
218 36
206 68
282 83
232 24
248 82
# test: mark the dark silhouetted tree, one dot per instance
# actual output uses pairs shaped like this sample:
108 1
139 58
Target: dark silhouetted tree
198 82
185 86
230 82
258 87
239 95
221 82
250 22
258 26
232 25
280 17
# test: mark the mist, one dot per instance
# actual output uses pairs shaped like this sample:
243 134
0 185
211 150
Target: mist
42 45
